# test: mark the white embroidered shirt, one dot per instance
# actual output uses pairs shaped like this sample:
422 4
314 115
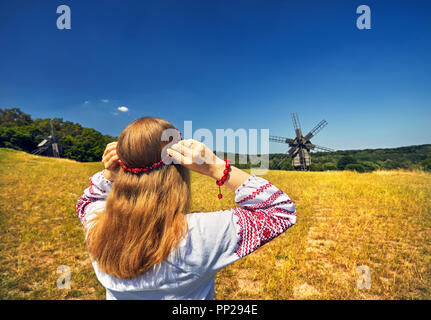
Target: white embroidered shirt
213 241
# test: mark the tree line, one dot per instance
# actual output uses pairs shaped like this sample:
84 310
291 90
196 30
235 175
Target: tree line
19 131
411 157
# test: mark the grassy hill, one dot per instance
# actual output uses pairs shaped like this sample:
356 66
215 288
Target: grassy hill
380 219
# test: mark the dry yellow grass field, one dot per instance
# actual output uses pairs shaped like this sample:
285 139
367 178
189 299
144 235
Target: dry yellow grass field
345 219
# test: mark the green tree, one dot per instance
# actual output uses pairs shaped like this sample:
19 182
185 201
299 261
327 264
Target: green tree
14 117
19 137
355 167
426 164
272 164
317 166
389 164
329 166
19 131
344 161
369 166
287 165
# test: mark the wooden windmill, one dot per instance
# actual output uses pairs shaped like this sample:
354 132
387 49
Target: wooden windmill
49 145
300 146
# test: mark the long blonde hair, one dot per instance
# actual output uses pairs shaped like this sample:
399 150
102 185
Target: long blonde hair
144 218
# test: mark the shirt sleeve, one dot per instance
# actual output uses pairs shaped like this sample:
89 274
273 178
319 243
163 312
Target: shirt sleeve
220 238
93 199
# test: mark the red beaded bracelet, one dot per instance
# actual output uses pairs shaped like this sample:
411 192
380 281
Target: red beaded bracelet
224 178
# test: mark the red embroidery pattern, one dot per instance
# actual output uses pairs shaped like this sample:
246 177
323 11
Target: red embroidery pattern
95 190
82 203
255 193
257 228
284 211
268 202
95 194
92 191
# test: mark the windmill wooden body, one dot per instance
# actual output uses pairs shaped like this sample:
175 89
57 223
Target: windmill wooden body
49 146
301 146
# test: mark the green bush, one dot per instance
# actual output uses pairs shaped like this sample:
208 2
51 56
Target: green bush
287 165
316 166
426 164
329 166
369 166
19 137
344 161
355 167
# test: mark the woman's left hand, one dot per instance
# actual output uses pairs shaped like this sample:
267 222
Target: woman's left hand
111 161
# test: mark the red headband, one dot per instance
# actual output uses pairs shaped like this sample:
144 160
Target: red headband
148 168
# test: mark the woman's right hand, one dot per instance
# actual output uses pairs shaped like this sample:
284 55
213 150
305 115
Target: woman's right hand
196 156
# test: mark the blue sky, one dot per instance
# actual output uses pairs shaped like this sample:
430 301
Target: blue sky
225 64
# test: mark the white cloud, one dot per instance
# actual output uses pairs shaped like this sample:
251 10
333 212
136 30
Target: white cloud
105 100
86 102
123 109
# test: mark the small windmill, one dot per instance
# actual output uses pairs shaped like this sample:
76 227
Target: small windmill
49 145
300 146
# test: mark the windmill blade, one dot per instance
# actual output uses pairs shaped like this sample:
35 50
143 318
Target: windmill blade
41 149
297 126
316 130
309 146
281 139
280 161
323 148
295 120
52 129
293 149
